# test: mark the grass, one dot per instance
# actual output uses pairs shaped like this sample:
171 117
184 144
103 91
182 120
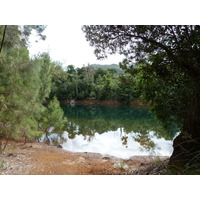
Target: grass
3 164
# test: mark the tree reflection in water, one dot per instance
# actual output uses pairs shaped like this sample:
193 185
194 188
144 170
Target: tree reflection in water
137 122
88 120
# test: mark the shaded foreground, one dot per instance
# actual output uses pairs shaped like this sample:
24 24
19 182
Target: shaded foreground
41 159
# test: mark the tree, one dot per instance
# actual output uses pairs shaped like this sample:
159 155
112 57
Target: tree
52 117
166 57
127 90
18 84
96 82
18 36
59 78
24 85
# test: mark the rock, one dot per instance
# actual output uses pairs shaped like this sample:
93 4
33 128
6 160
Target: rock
81 159
126 167
106 158
141 164
11 154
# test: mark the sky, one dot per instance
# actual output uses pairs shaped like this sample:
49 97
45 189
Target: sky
67 44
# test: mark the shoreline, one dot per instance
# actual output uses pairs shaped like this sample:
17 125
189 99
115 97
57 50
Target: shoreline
42 159
135 103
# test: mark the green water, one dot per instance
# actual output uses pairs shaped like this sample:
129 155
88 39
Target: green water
120 131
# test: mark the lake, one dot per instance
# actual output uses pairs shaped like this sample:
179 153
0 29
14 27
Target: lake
120 131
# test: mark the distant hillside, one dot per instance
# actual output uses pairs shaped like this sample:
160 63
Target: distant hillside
111 66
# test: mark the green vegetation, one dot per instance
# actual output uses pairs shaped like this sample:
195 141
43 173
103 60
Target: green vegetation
94 82
52 116
161 68
113 67
165 63
24 86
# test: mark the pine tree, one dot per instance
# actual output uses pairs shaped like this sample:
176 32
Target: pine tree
24 86
52 117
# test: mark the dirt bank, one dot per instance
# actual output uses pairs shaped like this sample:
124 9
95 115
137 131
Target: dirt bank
107 102
41 159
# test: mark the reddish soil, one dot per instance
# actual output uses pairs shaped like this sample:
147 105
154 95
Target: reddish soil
41 159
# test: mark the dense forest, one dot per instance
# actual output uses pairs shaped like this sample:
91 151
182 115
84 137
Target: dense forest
161 68
94 82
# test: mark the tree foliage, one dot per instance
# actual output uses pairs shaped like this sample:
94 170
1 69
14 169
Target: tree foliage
179 44
92 83
168 55
24 84
52 117
165 62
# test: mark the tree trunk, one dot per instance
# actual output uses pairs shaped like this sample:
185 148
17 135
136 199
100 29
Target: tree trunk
48 140
2 41
25 139
187 145
6 143
1 142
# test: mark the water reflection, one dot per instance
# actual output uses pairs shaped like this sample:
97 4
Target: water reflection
119 131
